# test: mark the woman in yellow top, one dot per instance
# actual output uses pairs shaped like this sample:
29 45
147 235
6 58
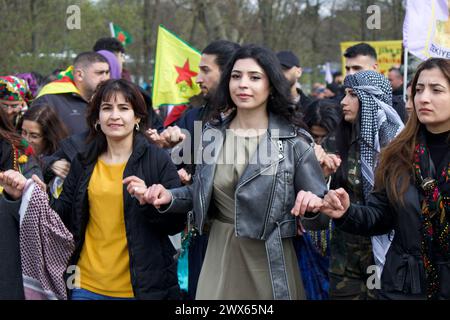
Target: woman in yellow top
122 247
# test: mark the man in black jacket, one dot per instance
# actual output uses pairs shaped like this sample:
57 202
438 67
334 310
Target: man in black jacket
89 69
292 71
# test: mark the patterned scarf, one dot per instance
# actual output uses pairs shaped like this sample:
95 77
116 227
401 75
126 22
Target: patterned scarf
45 247
435 211
379 124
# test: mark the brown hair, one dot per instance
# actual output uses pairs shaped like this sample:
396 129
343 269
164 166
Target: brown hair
53 129
7 131
396 160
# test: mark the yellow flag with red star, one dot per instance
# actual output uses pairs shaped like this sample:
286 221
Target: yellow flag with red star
176 67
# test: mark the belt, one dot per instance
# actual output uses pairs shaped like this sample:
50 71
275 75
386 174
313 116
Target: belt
277 265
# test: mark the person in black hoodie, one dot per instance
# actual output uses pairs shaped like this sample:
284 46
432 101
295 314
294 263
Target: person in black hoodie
14 155
122 248
412 195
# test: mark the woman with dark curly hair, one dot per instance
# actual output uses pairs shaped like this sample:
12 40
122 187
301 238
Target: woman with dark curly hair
245 192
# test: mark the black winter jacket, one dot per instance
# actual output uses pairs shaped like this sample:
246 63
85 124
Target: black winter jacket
152 265
403 275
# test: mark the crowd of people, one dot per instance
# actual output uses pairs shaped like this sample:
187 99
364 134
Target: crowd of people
272 194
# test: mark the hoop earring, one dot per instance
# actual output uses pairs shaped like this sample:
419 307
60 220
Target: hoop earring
96 126
137 127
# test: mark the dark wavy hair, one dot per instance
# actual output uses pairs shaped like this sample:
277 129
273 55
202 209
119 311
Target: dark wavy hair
105 91
324 113
53 129
280 100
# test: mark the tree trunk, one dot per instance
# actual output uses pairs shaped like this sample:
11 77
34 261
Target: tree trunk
34 17
266 16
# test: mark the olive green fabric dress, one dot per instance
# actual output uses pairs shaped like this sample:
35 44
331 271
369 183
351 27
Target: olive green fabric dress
237 267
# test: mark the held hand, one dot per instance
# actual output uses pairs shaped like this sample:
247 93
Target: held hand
157 195
136 187
184 176
154 137
169 138
39 182
61 168
13 183
334 162
336 203
306 202
328 161
319 152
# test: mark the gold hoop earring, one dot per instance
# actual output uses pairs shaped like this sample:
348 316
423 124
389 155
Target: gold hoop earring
96 126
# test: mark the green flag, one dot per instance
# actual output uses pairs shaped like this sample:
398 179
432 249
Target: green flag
121 35
176 68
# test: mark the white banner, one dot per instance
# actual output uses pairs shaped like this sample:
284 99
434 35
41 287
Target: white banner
426 29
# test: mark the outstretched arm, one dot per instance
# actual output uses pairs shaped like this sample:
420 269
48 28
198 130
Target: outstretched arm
377 217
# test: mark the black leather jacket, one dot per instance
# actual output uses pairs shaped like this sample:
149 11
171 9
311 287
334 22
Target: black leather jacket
265 193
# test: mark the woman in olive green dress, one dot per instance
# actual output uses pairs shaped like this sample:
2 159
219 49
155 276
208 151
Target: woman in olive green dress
246 190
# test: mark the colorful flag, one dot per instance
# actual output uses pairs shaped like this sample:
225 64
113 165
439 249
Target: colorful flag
426 29
64 84
176 66
117 32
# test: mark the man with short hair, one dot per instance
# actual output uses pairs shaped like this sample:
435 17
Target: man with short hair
359 57
70 94
396 79
292 71
114 46
363 56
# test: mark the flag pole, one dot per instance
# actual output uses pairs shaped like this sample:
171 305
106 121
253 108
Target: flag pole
405 73
111 28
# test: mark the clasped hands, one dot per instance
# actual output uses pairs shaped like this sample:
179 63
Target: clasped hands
334 204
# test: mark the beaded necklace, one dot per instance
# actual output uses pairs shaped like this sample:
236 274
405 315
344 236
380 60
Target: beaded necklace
435 222
18 158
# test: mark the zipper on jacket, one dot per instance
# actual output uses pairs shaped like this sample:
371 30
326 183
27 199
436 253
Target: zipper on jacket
269 206
202 206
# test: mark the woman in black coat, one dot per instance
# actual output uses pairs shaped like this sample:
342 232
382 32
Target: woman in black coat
122 248
412 195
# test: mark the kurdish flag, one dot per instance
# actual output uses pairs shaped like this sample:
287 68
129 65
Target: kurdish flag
117 32
64 84
176 66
